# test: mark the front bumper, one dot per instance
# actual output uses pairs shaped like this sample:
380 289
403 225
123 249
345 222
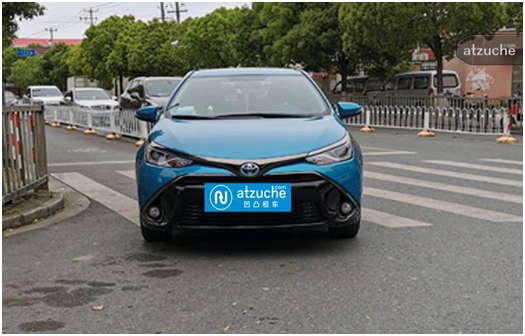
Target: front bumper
315 202
317 192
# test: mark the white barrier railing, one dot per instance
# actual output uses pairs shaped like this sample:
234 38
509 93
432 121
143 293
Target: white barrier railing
122 122
478 120
447 119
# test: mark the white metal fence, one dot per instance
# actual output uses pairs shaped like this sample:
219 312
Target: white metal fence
121 122
448 115
419 113
24 161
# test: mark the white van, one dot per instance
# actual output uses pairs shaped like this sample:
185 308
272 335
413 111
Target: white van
423 84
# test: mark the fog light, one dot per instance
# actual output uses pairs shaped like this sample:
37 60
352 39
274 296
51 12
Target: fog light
346 208
154 212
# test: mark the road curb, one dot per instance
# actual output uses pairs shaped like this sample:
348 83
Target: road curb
48 208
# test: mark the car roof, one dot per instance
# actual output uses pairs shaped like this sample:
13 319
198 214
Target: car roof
426 72
88 88
156 78
244 72
42 87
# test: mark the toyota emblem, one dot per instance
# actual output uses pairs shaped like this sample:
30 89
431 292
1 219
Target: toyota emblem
249 169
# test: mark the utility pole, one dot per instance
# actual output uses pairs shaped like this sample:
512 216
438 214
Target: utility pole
178 10
91 18
51 30
162 14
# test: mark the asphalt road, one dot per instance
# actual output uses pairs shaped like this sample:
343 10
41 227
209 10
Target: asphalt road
440 251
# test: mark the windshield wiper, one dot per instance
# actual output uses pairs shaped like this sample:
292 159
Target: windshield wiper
264 115
189 116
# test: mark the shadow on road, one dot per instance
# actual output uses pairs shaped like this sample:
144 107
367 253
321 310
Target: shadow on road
247 243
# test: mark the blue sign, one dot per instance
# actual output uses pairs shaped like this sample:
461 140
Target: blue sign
25 53
247 197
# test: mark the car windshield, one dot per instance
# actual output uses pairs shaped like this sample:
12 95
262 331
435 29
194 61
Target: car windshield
46 92
92 95
9 95
258 95
161 88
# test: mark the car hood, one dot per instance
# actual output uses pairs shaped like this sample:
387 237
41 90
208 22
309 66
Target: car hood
48 99
90 103
247 138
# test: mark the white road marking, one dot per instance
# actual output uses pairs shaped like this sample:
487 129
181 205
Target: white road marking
389 220
476 166
127 173
90 163
503 161
434 204
445 187
464 176
121 204
389 153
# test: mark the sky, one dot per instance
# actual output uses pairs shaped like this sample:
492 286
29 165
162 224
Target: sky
65 16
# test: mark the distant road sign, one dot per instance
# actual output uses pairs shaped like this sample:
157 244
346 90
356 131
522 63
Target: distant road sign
25 53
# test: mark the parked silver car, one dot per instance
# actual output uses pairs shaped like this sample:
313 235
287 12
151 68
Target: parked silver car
43 94
92 98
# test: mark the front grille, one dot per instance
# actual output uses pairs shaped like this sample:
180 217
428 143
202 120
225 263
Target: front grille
101 107
313 203
302 213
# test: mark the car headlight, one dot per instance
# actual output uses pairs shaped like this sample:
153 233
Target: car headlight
161 156
337 152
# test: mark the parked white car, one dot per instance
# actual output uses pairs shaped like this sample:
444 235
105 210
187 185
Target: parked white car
43 94
92 98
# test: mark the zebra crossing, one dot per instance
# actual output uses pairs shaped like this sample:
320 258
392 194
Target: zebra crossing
378 187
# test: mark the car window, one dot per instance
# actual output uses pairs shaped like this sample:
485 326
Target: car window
161 87
404 83
139 88
215 96
359 86
28 92
46 92
449 81
92 95
421 82
374 85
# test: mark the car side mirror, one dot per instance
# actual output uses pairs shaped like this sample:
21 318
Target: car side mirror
115 98
148 113
67 99
347 110
136 96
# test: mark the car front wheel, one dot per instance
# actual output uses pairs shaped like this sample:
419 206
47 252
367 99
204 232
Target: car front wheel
347 231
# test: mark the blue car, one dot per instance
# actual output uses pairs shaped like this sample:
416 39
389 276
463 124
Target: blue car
251 148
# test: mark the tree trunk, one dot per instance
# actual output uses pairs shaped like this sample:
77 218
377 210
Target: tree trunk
343 68
120 84
438 53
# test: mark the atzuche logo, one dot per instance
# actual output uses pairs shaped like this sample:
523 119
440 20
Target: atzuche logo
489 50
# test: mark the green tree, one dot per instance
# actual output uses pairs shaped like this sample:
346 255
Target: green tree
209 40
54 65
151 52
443 24
13 10
98 45
379 36
8 59
309 33
514 15
27 72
